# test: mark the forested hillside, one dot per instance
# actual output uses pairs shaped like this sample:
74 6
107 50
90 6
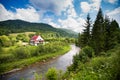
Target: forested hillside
16 26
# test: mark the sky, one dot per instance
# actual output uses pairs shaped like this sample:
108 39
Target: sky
68 14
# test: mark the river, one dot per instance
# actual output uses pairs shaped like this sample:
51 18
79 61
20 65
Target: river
60 63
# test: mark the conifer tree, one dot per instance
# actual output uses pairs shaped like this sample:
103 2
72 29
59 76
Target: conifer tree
86 33
79 39
84 38
98 33
107 33
114 32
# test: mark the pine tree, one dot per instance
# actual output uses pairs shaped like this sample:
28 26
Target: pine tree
84 38
114 33
98 33
107 33
86 32
79 39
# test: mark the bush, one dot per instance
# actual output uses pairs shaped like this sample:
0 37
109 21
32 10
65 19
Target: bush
5 41
84 55
88 51
22 53
52 74
76 59
7 57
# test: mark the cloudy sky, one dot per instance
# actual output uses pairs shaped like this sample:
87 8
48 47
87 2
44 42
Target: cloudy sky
69 14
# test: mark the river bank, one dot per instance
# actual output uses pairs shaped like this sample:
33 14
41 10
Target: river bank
60 63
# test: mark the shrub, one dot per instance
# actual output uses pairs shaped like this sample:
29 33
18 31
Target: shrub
52 74
22 53
5 41
88 51
7 57
38 77
75 62
84 55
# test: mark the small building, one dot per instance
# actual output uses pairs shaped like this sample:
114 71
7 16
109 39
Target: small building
35 40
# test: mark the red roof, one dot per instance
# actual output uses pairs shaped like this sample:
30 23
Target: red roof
34 37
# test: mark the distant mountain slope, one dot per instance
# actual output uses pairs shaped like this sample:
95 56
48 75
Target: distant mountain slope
15 26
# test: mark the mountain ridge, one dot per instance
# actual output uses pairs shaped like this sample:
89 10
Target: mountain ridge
15 26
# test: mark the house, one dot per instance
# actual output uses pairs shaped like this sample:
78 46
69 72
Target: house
35 40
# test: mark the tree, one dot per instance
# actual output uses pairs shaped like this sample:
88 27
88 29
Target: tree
85 37
5 41
80 41
114 33
86 33
22 37
98 33
107 33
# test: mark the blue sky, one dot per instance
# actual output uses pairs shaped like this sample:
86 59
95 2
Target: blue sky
69 14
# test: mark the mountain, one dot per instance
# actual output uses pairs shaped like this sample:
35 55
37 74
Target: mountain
16 26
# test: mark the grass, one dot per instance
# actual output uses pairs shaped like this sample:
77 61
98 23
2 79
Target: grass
5 67
27 33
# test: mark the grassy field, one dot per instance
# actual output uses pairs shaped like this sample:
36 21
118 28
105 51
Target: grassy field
26 33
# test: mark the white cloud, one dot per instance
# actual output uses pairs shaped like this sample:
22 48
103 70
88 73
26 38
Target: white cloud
73 24
94 5
112 1
55 6
85 7
71 12
54 24
29 14
72 21
115 14
4 14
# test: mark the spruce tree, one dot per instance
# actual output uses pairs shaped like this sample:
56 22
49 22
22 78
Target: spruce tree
107 33
114 33
78 42
86 33
84 38
98 33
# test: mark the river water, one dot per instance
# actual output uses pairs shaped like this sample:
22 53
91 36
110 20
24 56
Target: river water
60 63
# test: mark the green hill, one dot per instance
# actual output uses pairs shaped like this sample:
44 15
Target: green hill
16 26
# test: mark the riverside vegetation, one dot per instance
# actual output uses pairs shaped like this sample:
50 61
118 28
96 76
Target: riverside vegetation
99 58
